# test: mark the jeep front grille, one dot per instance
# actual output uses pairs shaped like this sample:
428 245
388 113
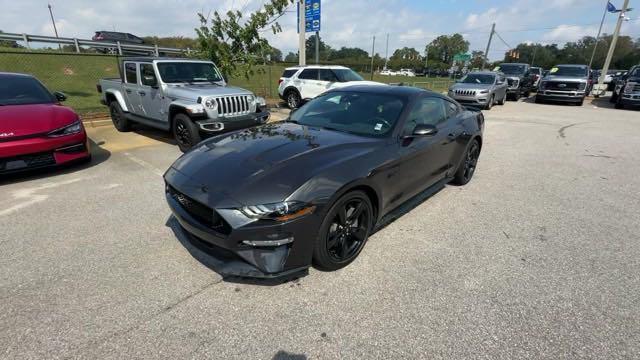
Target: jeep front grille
235 105
465 92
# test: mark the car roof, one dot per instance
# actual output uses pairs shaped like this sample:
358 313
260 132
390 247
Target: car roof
316 67
7 75
158 58
404 91
486 72
572 65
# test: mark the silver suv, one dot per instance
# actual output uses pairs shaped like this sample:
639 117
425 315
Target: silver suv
480 88
188 97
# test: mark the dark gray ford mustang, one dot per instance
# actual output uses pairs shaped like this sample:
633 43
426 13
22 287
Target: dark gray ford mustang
272 200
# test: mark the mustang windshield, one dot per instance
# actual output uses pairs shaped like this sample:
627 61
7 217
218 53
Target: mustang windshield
358 113
570 71
179 72
18 90
485 79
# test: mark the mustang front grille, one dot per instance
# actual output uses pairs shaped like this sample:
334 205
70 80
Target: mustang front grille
202 213
235 105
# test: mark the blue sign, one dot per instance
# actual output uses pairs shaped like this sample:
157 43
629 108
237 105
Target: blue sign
311 15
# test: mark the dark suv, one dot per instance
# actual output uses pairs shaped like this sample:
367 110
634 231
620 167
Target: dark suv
519 79
627 89
112 37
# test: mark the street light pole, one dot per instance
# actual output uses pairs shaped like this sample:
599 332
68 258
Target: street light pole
373 50
55 30
486 53
612 48
595 46
302 56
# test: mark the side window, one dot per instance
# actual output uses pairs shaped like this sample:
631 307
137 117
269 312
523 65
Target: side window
147 75
327 75
452 109
426 111
309 74
130 73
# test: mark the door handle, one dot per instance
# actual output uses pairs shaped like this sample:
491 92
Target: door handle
128 91
142 93
452 136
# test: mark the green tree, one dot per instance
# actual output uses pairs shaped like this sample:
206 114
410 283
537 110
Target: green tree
477 59
349 53
291 57
179 42
9 44
233 42
406 58
444 47
323 49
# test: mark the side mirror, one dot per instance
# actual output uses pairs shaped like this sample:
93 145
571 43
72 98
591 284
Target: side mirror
150 80
60 96
422 130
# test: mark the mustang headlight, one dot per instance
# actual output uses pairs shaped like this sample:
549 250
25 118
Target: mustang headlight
74 128
283 211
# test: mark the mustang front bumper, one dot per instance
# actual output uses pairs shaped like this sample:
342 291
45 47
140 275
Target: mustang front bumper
233 123
198 213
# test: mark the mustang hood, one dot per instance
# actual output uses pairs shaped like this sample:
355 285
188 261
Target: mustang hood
25 120
280 156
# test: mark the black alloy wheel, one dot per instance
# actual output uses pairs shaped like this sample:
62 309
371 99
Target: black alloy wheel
185 132
344 232
118 118
469 163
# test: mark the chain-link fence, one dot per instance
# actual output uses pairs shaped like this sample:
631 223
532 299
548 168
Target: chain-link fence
76 74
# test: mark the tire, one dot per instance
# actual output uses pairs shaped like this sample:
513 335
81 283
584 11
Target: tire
619 104
503 100
468 165
339 241
185 132
120 121
490 102
293 99
517 96
614 98
538 100
580 103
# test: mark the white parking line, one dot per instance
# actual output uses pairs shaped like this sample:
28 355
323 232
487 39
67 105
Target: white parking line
29 196
144 164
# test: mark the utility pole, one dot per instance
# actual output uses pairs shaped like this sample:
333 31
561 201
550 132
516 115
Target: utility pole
55 30
386 53
486 52
373 51
595 46
612 48
302 54
535 50
317 47
426 60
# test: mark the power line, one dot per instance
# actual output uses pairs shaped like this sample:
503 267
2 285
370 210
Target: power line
501 39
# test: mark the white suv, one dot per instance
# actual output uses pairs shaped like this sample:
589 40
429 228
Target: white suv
300 83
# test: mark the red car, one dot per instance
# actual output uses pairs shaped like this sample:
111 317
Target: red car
36 131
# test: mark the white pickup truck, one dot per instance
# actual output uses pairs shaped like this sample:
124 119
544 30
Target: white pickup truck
190 98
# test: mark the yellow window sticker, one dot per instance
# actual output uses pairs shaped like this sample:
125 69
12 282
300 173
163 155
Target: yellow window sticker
553 70
497 68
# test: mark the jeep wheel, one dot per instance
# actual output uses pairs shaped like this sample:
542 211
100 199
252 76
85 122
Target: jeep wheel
293 99
185 132
118 118
503 100
490 102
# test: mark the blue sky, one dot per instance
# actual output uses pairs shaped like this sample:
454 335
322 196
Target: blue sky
410 23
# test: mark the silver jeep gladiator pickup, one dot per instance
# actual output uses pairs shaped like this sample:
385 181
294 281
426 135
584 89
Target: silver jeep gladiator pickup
188 97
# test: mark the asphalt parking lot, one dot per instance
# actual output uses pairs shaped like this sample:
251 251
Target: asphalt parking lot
538 257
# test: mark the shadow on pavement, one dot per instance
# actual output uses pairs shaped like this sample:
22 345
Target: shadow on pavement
283 355
98 156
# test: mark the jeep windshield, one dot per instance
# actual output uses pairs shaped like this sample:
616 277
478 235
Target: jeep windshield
485 79
569 71
512 69
345 75
359 113
188 72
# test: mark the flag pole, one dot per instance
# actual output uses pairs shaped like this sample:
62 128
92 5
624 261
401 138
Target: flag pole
595 46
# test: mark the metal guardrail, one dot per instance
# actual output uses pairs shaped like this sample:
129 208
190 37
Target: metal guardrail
117 46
